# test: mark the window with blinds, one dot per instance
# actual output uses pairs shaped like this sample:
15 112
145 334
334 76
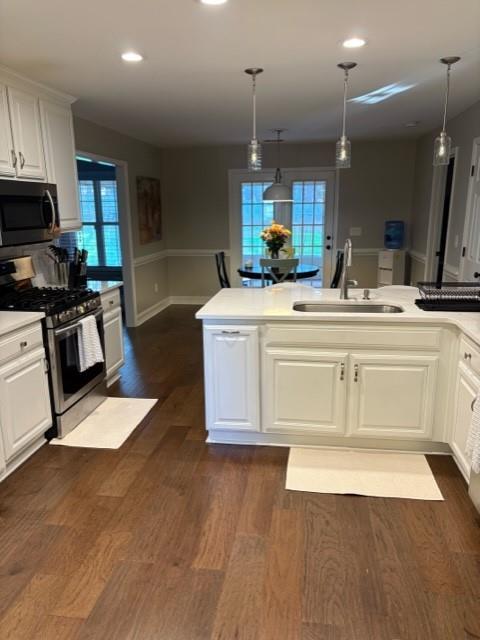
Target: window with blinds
100 233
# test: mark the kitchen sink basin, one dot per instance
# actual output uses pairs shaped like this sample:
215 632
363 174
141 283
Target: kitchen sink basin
345 307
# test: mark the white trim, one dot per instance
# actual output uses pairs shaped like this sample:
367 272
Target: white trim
416 255
451 271
198 253
152 257
189 299
152 311
367 252
18 77
126 239
468 210
158 307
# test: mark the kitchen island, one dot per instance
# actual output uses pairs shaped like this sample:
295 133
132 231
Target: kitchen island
342 377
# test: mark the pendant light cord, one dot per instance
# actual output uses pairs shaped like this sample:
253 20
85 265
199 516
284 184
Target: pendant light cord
345 89
447 94
254 102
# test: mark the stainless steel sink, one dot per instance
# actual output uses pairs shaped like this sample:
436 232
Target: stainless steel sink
346 307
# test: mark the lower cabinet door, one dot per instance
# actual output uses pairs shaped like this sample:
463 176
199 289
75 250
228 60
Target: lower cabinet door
392 395
304 391
25 408
467 389
231 377
113 329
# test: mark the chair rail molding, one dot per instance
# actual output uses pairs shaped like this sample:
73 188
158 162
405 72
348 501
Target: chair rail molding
177 253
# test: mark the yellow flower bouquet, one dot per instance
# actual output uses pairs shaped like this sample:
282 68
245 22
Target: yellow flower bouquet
275 236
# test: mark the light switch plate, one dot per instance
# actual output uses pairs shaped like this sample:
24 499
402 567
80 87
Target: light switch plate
355 232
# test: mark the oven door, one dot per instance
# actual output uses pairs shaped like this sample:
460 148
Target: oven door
68 383
28 212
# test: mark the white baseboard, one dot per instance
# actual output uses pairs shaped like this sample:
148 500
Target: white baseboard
158 307
152 311
189 299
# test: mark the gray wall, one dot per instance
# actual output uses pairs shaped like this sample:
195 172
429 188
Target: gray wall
462 129
379 186
143 160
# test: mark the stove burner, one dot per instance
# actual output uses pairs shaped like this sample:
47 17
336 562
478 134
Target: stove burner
49 300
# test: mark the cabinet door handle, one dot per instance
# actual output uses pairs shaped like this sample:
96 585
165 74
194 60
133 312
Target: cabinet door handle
22 159
231 333
467 356
473 403
355 377
14 159
342 371
46 365
23 344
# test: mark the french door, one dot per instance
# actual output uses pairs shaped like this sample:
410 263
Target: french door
310 217
470 261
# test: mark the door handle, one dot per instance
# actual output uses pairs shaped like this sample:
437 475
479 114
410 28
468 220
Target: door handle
52 207
476 274
328 247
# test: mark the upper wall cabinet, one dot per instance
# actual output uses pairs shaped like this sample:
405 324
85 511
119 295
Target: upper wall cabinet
7 152
57 124
37 141
27 134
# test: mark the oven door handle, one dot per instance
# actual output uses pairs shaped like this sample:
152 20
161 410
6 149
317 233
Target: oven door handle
54 213
59 332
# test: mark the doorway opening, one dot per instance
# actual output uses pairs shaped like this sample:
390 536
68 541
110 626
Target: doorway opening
447 201
106 232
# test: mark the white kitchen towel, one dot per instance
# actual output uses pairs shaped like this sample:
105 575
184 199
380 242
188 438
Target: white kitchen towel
382 474
89 346
473 441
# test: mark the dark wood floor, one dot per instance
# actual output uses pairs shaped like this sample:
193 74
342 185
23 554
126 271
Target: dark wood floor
170 539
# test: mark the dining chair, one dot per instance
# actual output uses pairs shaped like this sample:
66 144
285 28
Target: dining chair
279 269
222 270
338 270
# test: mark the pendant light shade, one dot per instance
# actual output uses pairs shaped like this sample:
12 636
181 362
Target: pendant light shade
254 150
343 154
443 143
278 191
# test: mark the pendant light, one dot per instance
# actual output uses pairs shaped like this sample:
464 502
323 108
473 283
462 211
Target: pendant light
343 155
278 192
443 143
254 148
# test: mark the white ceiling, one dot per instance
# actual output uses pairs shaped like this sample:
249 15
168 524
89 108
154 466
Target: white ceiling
191 88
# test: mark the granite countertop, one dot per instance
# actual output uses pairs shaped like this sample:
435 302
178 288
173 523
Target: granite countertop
102 286
276 303
12 320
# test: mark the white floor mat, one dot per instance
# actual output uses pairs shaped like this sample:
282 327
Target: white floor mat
109 425
381 474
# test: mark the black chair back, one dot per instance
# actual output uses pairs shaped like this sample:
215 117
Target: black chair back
222 270
338 270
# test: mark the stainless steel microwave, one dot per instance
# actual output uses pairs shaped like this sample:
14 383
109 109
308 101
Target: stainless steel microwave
28 212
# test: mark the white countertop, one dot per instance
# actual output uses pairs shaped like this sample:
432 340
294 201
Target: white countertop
12 320
102 286
276 303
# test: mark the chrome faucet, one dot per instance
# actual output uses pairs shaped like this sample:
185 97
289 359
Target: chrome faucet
347 262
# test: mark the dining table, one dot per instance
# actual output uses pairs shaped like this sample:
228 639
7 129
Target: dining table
304 270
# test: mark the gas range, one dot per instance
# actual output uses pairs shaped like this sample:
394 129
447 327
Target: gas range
59 305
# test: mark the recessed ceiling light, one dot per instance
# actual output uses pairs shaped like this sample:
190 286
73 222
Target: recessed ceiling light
132 56
212 2
354 43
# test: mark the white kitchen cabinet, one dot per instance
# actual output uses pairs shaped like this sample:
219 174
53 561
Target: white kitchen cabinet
7 153
304 390
27 134
59 143
232 377
25 401
467 389
114 353
392 395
